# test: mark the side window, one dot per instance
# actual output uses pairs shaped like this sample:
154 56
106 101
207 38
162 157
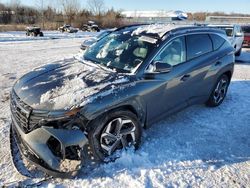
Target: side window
197 45
218 41
174 53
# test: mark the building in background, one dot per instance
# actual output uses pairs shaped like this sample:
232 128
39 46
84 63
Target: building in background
228 19
153 16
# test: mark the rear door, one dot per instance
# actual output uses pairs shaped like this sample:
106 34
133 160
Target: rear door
199 59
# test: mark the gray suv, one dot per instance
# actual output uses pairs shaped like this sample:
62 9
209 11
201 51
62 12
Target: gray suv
124 82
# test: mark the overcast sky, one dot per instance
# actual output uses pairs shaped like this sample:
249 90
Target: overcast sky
237 6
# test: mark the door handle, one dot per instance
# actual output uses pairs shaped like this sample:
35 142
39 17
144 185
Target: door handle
185 77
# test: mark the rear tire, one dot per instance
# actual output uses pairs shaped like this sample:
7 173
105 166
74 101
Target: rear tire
114 131
219 91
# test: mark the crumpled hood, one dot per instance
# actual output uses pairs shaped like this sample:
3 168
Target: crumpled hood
65 84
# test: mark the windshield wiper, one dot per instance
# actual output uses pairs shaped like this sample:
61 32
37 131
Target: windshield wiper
99 64
119 69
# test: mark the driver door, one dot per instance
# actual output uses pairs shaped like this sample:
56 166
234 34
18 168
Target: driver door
170 92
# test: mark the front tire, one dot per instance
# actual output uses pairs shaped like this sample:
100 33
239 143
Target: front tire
114 131
219 91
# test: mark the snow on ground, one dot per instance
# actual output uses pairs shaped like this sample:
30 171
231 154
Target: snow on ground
48 35
198 147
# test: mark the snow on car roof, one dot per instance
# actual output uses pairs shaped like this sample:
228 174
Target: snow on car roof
159 29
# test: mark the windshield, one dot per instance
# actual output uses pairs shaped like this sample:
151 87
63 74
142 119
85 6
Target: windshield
120 51
103 34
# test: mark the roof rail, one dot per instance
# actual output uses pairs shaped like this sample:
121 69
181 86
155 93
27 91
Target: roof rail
195 28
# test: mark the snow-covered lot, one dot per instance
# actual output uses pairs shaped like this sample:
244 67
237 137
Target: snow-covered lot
198 147
48 35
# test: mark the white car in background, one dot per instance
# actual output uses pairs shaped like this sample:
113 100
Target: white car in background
234 34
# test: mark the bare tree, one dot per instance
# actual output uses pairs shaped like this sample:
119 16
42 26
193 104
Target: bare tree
15 3
96 6
70 8
40 6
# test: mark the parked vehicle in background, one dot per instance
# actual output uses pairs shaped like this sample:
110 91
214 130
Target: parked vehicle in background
246 31
91 27
86 43
128 80
34 31
234 34
67 28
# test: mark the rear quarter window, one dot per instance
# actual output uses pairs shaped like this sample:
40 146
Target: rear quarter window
197 45
225 45
218 41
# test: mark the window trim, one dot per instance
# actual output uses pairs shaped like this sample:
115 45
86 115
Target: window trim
166 43
209 35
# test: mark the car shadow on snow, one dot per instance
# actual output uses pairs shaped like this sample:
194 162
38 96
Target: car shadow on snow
197 137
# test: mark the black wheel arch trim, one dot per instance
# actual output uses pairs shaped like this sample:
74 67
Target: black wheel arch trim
136 106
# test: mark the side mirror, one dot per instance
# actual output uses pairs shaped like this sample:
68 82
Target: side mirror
156 68
160 67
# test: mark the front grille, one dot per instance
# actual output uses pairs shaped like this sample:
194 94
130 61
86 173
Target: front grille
22 113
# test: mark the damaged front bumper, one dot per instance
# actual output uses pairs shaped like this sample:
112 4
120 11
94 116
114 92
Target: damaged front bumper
36 147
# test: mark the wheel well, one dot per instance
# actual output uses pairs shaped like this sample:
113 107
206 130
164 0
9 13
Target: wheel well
229 74
140 115
125 107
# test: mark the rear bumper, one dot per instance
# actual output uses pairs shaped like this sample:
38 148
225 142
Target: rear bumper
34 147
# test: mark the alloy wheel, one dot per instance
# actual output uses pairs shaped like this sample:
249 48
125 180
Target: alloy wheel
220 90
119 133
